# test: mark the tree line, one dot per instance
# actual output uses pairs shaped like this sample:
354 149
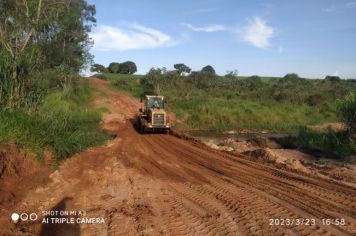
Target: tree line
43 45
182 69
127 67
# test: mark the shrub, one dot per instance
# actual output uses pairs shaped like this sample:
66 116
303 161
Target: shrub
347 110
333 144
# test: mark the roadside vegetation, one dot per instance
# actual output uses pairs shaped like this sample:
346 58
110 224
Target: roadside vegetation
337 144
62 123
204 100
43 100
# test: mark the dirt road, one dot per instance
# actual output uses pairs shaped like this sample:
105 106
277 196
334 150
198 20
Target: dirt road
158 184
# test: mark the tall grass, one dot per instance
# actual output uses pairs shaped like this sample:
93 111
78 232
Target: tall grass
62 123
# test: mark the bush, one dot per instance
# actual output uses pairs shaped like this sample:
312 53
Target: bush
347 110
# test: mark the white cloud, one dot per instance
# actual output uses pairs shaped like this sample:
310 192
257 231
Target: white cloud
280 49
336 73
133 36
207 28
258 33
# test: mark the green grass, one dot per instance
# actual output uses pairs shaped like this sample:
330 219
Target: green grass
63 124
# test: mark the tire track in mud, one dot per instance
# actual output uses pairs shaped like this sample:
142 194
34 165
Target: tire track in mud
331 192
306 198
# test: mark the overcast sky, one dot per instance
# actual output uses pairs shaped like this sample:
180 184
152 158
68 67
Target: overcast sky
312 38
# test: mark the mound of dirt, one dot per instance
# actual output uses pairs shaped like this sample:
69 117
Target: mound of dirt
288 158
110 122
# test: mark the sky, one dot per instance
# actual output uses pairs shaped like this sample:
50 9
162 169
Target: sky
312 38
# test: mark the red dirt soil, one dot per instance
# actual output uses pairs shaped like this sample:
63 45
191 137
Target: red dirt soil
156 184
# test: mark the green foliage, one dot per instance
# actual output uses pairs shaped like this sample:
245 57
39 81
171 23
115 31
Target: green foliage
208 70
114 67
182 68
128 67
43 46
98 68
36 36
63 123
347 110
332 144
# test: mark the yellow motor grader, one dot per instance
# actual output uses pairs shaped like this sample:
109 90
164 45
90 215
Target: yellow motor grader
152 117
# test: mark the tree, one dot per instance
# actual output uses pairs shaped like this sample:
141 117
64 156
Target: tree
38 35
182 68
208 70
291 76
98 68
155 77
114 67
128 67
